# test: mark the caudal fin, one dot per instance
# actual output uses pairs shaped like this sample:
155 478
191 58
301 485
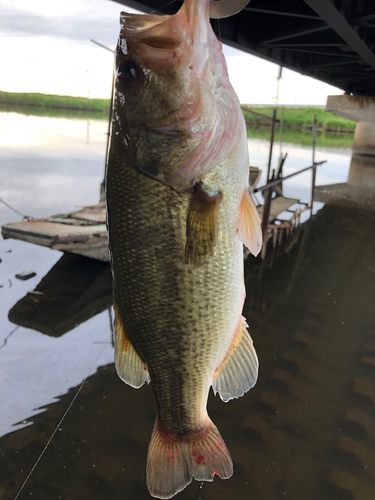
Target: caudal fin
173 460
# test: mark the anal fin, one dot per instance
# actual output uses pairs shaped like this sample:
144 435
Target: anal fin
250 231
129 366
239 371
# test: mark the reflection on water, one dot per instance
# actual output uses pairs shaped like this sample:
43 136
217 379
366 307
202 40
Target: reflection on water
307 429
48 166
73 291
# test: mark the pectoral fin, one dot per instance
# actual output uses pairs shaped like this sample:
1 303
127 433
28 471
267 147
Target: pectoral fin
239 371
129 366
250 231
201 226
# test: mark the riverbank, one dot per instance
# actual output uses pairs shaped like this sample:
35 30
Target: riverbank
81 107
298 118
54 101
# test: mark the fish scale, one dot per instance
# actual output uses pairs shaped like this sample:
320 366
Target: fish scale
179 212
170 307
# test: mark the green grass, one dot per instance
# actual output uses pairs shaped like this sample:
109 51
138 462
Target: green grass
53 112
301 118
54 101
304 138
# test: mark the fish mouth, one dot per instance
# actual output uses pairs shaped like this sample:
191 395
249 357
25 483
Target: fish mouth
166 38
159 32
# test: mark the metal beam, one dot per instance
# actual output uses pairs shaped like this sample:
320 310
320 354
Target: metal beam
297 28
363 19
358 70
341 63
287 45
356 78
296 34
280 13
334 54
328 12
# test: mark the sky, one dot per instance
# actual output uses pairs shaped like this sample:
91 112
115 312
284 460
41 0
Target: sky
45 47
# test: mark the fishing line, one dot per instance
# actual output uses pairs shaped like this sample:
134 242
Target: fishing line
7 337
28 217
60 422
162 7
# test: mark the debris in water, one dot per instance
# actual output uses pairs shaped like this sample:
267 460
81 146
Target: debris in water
25 275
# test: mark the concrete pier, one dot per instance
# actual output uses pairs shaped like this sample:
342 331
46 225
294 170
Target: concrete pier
359 190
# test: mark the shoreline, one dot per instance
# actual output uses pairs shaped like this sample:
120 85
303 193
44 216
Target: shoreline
295 118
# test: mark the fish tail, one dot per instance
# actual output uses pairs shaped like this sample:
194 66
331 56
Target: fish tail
174 460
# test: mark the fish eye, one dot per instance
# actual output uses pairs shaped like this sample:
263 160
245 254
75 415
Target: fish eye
127 73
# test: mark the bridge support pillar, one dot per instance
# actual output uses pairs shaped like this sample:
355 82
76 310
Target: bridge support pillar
360 187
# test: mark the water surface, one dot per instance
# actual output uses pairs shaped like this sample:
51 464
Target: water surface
307 429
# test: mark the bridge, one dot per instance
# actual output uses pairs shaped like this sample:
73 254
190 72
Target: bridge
333 41
330 40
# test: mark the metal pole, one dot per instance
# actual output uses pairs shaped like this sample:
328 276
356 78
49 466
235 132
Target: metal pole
314 167
314 139
271 143
276 181
265 216
279 76
281 132
280 172
101 45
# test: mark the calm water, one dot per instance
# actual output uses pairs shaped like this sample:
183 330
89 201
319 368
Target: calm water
307 429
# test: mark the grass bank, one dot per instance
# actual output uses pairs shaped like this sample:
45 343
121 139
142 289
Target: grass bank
304 137
295 119
53 112
300 119
54 101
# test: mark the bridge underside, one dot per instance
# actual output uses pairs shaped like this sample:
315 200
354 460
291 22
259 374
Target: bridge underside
331 41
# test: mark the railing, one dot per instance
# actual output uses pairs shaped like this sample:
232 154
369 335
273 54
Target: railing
268 189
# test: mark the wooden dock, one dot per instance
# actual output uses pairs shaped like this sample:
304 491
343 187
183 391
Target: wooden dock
81 232
84 232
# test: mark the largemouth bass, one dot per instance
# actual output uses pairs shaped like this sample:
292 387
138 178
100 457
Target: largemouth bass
179 212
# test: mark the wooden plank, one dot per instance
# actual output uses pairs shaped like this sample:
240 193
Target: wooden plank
95 248
69 221
81 231
92 215
278 205
43 232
